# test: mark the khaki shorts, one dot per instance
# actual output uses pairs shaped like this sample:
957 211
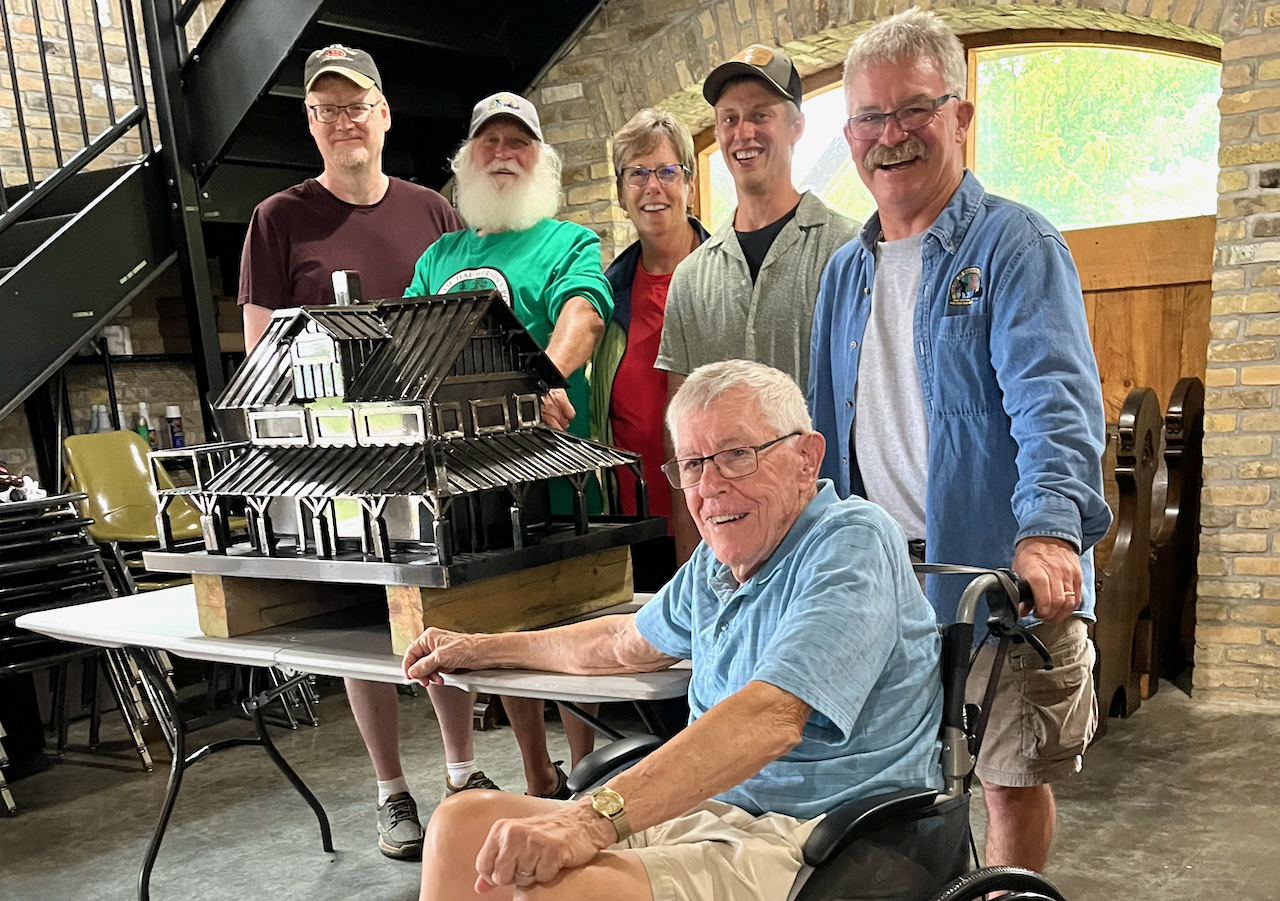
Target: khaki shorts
1040 722
718 852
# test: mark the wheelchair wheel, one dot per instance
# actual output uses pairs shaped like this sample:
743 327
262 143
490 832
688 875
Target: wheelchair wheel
1019 884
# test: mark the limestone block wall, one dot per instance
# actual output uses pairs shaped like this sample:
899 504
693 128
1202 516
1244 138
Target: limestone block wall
1238 614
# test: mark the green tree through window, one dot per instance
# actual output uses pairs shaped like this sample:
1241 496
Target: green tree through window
1098 136
1088 136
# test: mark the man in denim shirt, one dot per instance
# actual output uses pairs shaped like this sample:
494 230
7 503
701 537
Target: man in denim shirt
815 678
954 380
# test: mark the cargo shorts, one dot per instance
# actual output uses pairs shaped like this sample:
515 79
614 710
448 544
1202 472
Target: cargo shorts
1040 721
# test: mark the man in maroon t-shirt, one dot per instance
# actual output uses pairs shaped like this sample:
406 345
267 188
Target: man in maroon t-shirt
352 216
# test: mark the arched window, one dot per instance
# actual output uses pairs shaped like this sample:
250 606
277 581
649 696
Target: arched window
1090 134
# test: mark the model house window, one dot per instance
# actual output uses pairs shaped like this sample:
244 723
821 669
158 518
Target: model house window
490 416
1088 134
389 425
278 427
449 420
527 410
333 427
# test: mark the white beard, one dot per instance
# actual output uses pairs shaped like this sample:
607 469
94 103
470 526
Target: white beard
488 206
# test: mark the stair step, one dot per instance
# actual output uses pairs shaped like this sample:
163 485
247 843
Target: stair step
75 194
22 239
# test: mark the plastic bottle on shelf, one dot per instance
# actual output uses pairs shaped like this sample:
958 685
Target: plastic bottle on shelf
104 419
95 417
120 418
173 425
142 425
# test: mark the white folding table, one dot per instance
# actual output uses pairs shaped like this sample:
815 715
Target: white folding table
167 620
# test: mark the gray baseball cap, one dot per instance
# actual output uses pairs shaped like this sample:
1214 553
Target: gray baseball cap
769 64
350 63
504 103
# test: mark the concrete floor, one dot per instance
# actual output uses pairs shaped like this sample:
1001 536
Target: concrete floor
1174 804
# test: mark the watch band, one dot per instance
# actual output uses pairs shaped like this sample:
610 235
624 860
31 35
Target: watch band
621 825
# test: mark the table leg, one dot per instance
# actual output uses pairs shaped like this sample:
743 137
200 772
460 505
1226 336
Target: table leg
176 768
158 681
255 704
593 722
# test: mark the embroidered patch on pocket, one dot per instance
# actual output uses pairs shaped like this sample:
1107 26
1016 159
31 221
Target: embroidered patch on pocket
965 287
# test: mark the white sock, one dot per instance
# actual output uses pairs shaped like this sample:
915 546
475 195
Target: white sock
391 787
460 772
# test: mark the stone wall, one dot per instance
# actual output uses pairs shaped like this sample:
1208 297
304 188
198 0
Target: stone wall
639 53
1238 616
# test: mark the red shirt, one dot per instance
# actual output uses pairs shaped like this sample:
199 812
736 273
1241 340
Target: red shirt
640 394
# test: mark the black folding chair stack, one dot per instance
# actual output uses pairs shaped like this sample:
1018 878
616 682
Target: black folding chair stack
47 560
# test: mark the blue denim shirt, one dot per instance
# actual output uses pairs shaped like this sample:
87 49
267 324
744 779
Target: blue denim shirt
1011 389
836 618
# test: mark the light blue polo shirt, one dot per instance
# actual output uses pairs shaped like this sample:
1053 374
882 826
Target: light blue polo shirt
836 618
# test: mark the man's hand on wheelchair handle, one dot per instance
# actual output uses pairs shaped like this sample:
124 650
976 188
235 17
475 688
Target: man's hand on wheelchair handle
438 651
533 850
1052 567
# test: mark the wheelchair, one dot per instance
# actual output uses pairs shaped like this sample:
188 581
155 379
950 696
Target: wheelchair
914 844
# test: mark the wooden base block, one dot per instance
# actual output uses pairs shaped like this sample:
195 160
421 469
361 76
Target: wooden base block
521 600
230 606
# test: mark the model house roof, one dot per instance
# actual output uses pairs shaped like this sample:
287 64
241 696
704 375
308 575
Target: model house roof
470 465
401 349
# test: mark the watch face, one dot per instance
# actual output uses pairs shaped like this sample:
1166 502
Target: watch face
607 802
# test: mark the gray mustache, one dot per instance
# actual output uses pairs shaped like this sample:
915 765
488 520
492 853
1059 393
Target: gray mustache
880 156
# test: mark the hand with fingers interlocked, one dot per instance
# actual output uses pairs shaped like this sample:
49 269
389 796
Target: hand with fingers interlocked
1051 567
533 850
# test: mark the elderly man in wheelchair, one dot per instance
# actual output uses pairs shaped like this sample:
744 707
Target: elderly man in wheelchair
810 767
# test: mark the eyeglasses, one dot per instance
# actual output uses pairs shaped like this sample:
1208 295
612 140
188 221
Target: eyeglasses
733 463
638 176
327 113
916 115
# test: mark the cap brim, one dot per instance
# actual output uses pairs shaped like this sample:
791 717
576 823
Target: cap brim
360 80
713 87
494 114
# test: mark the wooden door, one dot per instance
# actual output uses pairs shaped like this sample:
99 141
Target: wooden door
1147 296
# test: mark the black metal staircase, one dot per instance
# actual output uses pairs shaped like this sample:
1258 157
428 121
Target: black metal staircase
226 129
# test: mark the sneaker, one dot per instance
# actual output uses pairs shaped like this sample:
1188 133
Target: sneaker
399 832
476 780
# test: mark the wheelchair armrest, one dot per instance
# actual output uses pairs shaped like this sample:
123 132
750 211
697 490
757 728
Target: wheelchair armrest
856 818
604 762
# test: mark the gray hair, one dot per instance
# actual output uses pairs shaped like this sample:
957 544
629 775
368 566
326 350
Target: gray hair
643 132
910 35
780 401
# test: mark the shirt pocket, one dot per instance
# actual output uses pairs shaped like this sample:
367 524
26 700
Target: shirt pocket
965 383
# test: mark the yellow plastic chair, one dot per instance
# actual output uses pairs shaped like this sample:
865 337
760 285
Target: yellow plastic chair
111 468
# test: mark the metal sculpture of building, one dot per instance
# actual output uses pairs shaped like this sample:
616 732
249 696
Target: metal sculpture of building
425 413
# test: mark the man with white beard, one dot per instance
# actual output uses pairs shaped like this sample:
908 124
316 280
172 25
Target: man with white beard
549 273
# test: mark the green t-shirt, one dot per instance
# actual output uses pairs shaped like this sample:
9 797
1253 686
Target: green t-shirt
536 271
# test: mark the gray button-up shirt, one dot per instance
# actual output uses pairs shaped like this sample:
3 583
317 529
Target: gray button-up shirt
715 313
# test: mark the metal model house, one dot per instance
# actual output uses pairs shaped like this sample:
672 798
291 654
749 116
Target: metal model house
426 413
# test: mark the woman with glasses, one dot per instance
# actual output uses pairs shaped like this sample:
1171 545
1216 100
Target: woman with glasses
653 156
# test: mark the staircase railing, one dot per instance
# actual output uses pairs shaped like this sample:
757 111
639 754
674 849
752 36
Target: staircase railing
86 51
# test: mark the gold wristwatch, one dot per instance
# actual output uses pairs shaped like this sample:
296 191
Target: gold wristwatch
609 804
